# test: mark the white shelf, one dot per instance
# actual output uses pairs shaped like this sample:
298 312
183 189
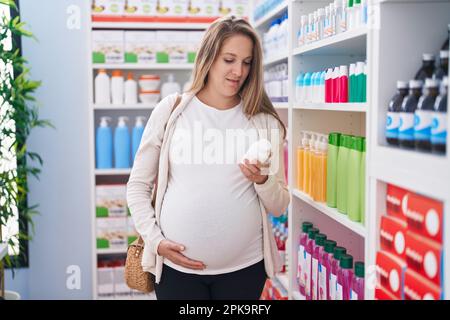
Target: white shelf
140 66
348 107
150 25
112 172
275 59
112 251
296 295
281 105
340 218
283 279
349 42
3 250
138 106
273 13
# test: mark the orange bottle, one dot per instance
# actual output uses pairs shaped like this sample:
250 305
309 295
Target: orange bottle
306 166
316 181
300 164
323 168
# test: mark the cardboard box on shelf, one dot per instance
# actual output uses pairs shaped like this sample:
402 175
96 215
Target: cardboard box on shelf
239 8
107 46
140 47
425 257
111 201
392 236
391 273
107 7
203 8
111 233
193 44
140 8
396 201
425 216
171 47
172 8
419 288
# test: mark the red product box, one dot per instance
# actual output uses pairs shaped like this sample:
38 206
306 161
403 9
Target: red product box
425 257
425 216
391 273
419 288
383 294
392 236
396 199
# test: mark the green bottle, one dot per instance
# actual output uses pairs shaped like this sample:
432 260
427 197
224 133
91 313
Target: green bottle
354 181
363 182
359 79
351 83
364 85
332 157
341 191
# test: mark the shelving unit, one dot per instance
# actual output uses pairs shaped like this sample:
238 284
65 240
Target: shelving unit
149 25
391 54
140 66
276 59
137 106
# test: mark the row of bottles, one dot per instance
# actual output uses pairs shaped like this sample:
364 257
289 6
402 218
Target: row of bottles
280 231
121 146
325 270
276 82
312 165
117 90
339 16
275 40
335 85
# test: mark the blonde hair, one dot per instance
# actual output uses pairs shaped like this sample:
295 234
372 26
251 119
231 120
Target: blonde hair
254 97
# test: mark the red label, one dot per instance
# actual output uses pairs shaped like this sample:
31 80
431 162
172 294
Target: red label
390 273
419 288
396 201
425 216
383 294
392 236
424 256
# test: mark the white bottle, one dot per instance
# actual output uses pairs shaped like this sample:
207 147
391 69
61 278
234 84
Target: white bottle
309 36
169 87
130 90
102 88
320 22
117 87
303 29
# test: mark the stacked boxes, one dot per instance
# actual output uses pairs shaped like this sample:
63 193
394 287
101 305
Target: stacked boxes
410 263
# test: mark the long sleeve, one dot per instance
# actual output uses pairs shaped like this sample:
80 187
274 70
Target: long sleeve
274 193
143 175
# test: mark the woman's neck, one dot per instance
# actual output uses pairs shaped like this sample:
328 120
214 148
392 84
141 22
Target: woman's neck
217 101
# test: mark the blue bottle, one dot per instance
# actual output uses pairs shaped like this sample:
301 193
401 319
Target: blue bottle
136 136
122 144
322 87
104 145
299 87
307 87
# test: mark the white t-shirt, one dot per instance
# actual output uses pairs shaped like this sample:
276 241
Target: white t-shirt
209 206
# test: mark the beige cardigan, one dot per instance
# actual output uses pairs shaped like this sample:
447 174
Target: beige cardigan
152 160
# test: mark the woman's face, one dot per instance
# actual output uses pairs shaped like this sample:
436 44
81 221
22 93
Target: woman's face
232 66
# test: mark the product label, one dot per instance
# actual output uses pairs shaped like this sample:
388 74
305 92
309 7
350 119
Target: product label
396 201
406 128
419 288
439 128
332 286
339 292
353 295
392 235
314 278
308 275
392 124
422 124
322 282
301 265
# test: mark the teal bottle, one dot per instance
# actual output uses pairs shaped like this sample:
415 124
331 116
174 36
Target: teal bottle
104 145
332 162
122 145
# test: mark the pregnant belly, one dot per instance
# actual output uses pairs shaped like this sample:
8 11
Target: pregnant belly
215 234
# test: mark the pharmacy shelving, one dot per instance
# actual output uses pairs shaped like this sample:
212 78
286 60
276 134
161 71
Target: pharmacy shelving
136 106
141 66
112 251
276 11
149 25
350 41
393 24
333 213
344 107
276 59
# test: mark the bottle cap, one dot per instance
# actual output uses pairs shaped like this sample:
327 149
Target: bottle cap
303 19
333 138
352 68
130 76
306 226
312 233
415 84
321 12
350 3
343 71
349 141
346 261
363 144
320 238
443 54
357 1
428 57
402 84
102 71
338 252
329 246
431 83
359 269
117 73
336 72
342 138
104 121
358 144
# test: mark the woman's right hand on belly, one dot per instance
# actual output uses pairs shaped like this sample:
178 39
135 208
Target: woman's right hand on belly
172 251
